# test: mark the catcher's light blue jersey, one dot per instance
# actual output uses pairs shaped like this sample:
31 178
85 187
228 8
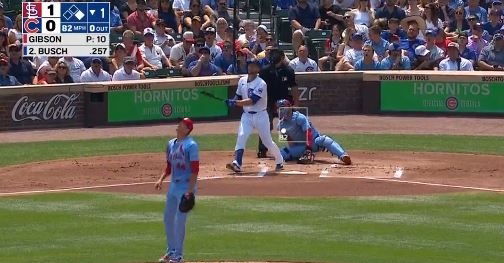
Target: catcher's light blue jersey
296 127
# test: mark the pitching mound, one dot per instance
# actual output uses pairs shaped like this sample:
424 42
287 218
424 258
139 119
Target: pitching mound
371 174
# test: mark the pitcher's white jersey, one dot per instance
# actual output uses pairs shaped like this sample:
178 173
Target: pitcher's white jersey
248 89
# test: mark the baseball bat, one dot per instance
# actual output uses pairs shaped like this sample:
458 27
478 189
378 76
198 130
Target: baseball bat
210 95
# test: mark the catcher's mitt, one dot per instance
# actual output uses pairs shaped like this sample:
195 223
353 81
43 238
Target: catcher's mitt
187 202
307 158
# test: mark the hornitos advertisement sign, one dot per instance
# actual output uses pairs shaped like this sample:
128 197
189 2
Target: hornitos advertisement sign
138 102
432 96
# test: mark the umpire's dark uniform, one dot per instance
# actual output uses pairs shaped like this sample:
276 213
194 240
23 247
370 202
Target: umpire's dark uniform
279 80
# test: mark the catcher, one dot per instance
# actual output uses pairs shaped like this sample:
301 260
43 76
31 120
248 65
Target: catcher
303 139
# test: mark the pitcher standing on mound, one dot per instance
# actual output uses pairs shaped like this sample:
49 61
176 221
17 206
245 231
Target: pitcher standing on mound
182 162
252 95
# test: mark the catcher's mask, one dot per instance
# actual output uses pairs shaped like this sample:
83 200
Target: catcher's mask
284 109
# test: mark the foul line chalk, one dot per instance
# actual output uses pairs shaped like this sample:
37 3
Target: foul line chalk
92 187
419 183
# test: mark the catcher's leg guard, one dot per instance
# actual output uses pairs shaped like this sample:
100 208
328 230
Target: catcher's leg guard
331 145
293 152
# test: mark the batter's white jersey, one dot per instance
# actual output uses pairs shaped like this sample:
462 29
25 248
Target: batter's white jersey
255 87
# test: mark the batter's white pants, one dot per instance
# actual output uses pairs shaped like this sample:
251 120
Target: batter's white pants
259 121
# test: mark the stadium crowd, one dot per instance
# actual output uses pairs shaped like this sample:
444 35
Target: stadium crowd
462 35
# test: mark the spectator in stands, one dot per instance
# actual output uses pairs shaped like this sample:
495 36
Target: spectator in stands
261 42
412 42
431 17
127 72
303 63
395 59
458 24
181 6
168 15
495 22
152 6
473 8
496 5
4 43
476 40
413 8
197 28
116 23
140 19
194 56
250 34
269 42
368 61
241 61
127 9
352 55
222 11
153 56
163 40
304 17
7 20
344 4
63 73
196 11
465 52
492 56
15 34
474 22
204 67
423 59
46 75
75 67
118 58
436 53
50 63
379 44
95 73
393 29
180 51
330 15
226 58
222 25
363 15
5 78
454 62
445 12
20 68
132 49
333 50
210 43
390 10
352 28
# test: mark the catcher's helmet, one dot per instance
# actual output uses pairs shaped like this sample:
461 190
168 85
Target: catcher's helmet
284 109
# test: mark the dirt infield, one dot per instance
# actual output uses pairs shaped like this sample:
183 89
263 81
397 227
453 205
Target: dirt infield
329 124
371 174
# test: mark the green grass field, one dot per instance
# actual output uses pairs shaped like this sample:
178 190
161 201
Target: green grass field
123 228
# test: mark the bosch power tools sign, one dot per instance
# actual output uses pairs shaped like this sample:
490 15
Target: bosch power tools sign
429 96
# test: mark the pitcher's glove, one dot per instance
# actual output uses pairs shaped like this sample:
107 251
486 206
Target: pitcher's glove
187 202
307 158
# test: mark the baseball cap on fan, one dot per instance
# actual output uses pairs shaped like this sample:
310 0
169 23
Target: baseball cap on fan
421 51
188 36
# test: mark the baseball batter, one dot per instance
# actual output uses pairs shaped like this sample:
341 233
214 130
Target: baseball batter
252 95
182 162
303 138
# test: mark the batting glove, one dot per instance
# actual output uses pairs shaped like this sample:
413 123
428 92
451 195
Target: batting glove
230 103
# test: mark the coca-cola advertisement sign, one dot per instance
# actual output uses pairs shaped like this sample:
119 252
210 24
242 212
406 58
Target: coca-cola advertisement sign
56 107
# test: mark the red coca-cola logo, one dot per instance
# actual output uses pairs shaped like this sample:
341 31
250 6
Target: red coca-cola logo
58 107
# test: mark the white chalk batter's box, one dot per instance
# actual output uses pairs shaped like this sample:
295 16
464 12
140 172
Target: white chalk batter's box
282 136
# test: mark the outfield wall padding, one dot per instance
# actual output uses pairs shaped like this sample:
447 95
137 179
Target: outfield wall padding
324 93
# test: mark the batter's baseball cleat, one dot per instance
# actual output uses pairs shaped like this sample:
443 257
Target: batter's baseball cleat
346 159
234 167
262 154
279 167
177 260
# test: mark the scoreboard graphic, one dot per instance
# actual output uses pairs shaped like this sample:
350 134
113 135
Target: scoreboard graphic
66 29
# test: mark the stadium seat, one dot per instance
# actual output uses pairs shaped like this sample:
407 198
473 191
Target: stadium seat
177 37
115 37
163 73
